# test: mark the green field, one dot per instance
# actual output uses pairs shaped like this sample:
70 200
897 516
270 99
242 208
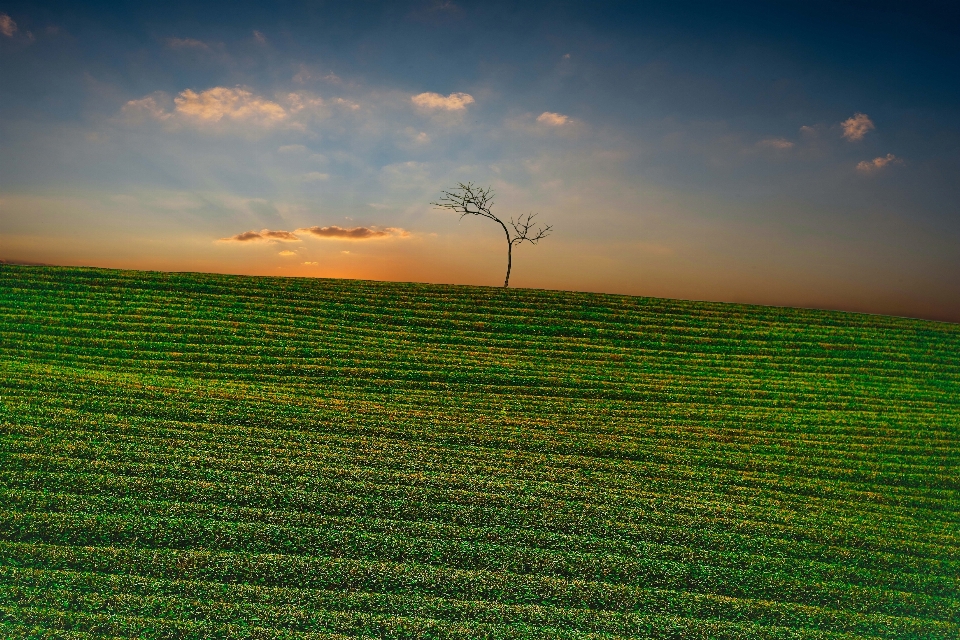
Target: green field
207 456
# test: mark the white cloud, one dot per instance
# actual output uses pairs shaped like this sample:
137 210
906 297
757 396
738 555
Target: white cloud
218 108
7 26
314 176
553 119
292 148
857 126
452 102
238 104
781 144
871 166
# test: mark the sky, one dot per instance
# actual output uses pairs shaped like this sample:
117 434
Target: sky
791 153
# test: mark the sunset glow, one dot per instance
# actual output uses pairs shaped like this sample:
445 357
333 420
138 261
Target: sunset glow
755 152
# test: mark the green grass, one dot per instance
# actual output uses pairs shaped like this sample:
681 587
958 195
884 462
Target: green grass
206 456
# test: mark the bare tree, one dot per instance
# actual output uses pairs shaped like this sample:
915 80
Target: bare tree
471 200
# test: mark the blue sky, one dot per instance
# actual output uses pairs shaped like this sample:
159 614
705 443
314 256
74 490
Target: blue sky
803 154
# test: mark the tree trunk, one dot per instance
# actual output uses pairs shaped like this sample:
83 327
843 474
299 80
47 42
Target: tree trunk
506 281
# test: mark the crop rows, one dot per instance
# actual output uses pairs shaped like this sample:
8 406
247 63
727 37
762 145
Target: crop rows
204 456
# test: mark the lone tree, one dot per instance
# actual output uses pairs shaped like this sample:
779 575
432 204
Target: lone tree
470 200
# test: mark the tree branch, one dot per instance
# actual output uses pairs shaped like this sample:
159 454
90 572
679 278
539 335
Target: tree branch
525 230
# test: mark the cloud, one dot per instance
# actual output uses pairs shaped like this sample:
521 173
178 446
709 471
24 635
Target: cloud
238 104
415 136
856 127
870 166
7 26
287 253
148 106
186 43
452 102
259 37
314 176
265 234
305 74
776 143
292 148
349 104
553 119
300 101
355 233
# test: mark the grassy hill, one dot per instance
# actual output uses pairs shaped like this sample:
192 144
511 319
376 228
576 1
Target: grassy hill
207 456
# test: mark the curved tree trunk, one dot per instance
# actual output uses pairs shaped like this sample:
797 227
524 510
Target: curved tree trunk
506 281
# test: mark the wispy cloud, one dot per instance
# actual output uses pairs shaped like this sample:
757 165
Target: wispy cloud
415 136
857 126
553 119
314 176
781 144
306 74
871 166
259 37
300 101
264 234
148 106
186 43
7 26
452 102
355 233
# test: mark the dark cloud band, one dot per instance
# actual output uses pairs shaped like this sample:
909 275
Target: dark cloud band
265 234
354 233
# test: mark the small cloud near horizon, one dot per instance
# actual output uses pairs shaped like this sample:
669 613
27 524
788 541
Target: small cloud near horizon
870 166
355 233
264 234
857 126
452 102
